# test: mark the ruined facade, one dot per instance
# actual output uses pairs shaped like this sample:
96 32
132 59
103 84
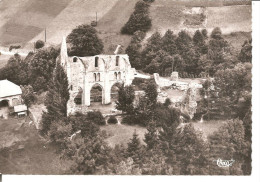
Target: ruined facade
84 73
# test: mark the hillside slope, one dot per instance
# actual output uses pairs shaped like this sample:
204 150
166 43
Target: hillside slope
23 21
76 13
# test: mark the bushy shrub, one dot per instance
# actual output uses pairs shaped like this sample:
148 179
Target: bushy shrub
96 117
39 44
112 120
139 119
167 102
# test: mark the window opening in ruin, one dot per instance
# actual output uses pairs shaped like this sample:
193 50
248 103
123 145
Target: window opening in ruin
96 61
71 87
117 60
119 75
98 77
115 76
74 59
95 77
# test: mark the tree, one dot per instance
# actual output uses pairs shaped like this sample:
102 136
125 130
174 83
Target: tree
126 98
56 99
152 47
151 93
28 95
229 143
16 70
84 124
167 102
134 48
134 55
216 33
168 120
154 163
152 136
134 149
245 54
199 42
234 82
168 43
247 122
39 44
192 152
96 117
89 155
218 47
59 132
139 19
128 168
41 66
84 41
205 33
183 42
149 1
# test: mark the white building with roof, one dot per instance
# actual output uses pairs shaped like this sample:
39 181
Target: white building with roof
10 96
10 92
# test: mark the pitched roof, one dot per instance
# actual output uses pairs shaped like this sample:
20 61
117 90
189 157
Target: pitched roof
8 88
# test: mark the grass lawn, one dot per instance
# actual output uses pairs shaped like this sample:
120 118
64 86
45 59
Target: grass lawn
23 151
121 134
208 127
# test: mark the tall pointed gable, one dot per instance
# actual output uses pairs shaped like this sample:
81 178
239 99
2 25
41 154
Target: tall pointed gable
63 52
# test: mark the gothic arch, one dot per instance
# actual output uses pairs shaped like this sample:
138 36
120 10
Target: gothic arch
97 93
114 91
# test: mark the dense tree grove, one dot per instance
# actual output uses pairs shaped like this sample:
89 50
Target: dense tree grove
170 148
35 70
139 19
192 56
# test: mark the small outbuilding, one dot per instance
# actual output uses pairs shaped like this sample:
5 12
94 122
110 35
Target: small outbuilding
20 110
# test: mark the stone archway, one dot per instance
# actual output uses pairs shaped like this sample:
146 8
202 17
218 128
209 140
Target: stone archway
96 94
114 91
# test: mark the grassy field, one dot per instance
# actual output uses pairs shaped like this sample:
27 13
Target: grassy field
168 14
23 22
230 18
208 127
121 134
28 18
23 151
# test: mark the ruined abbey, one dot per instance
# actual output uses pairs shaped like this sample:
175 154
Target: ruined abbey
100 72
